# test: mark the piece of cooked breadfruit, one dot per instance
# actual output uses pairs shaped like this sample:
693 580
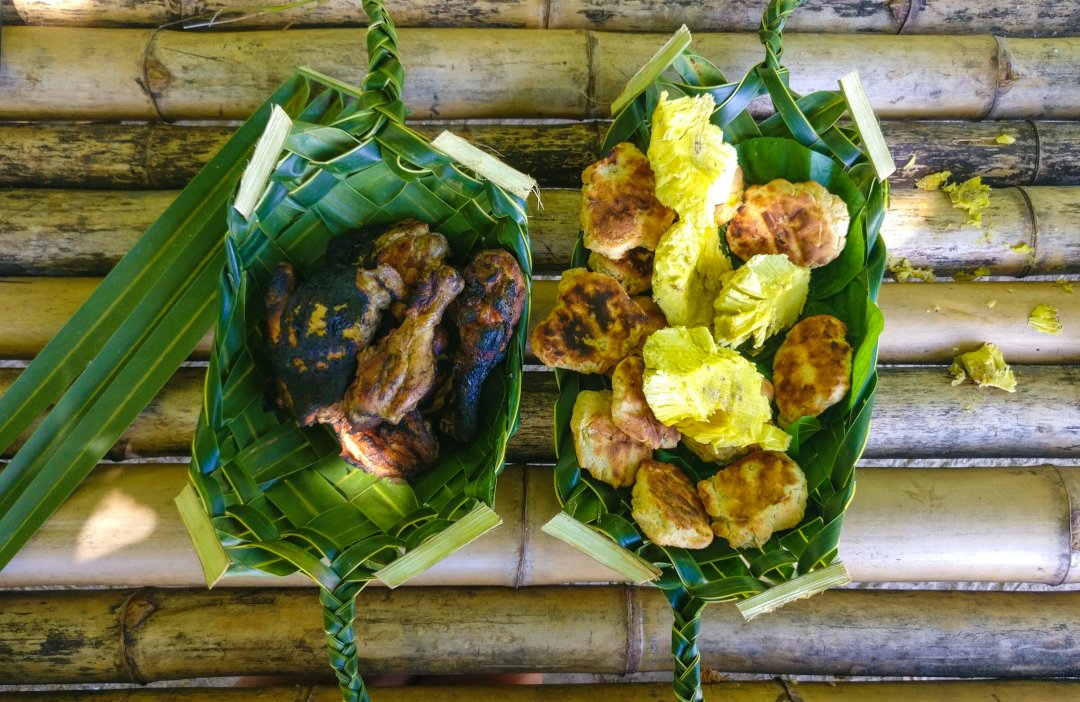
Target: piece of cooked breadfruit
719 455
602 448
723 212
762 297
754 497
667 508
619 209
630 410
633 271
593 325
812 368
804 221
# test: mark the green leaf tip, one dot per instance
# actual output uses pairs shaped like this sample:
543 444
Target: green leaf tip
480 520
804 586
862 114
212 556
601 549
652 69
263 161
485 165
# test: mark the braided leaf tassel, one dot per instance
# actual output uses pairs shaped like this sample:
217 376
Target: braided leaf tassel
339 620
684 645
772 29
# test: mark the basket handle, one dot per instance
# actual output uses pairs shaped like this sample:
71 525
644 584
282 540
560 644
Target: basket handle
772 29
385 73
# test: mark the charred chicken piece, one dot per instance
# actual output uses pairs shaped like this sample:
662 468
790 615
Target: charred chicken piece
485 315
396 373
315 330
410 248
388 450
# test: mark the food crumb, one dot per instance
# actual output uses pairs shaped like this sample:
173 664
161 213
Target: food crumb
968 276
991 303
1065 285
1022 248
903 271
933 181
1045 318
1005 139
971 196
910 163
986 367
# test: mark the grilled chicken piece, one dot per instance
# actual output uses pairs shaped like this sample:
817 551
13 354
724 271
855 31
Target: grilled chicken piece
631 410
667 508
754 497
387 450
602 448
485 314
315 330
593 326
619 209
812 368
395 374
633 271
410 248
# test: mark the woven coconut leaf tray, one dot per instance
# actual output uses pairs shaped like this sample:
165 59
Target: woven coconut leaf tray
831 137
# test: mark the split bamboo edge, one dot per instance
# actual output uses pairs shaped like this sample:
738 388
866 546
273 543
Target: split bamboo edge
121 529
131 74
153 634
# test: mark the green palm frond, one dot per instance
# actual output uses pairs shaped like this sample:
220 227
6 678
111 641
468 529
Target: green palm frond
830 137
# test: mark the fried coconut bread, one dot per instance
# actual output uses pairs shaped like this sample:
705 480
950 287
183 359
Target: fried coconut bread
602 448
619 209
593 325
631 410
804 221
633 271
812 368
754 497
667 508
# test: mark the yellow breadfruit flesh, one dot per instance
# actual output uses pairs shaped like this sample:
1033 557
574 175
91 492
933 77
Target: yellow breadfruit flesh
971 196
903 271
985 366
764 296
695 170
1045 318
688 268
708 392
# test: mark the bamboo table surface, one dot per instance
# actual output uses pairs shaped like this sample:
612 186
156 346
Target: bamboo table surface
108 107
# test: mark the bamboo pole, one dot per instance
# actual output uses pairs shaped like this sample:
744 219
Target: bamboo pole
156 155
763 691
493 72
1002 17
47 232
926 323
1040 420
121 529
159 634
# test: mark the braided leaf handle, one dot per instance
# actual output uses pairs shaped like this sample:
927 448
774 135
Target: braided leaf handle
685 628
385 74
772 29
339 621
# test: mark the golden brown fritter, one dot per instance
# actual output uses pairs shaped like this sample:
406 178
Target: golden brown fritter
804 221
655 319
602 448
633 271
812 368
485 314
315 329
721 455
631 411
754 497
387 450
667 508
619 209
593 325
394 375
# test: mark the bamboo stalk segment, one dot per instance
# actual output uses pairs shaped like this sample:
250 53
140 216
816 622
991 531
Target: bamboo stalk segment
911 524
177 634
160 155
764 691
926 323
82 73
85 232
493 72
999 17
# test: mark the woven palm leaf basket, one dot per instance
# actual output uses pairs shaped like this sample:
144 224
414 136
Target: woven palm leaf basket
269 495
831 137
